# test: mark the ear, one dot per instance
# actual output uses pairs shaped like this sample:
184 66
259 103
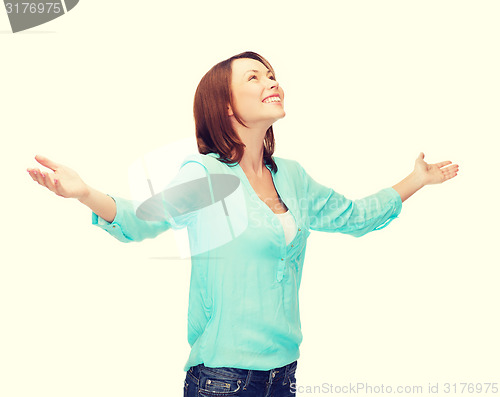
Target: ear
229 110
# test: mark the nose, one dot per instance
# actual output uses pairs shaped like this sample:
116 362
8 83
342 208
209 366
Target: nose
273 84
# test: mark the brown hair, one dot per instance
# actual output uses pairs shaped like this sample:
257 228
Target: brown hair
214 131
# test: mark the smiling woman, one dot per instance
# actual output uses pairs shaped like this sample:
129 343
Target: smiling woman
237 87
252 99
243 317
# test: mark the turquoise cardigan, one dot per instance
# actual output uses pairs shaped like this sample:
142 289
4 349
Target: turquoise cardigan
243 307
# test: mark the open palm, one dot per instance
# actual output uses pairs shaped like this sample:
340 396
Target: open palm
434 173
64 181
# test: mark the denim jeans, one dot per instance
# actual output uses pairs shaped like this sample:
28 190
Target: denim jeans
204 381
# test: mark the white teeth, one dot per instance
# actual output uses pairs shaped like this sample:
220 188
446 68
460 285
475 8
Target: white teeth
272 99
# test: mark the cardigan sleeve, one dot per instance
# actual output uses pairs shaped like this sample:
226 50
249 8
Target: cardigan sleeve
171 210
127 226
331 212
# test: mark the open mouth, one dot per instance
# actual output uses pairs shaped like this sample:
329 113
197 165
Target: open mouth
272 99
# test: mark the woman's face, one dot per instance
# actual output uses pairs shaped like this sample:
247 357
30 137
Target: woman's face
257 96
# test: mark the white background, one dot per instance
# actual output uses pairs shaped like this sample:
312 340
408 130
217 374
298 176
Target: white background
368 85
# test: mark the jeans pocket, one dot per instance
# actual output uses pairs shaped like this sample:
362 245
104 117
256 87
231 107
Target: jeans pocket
217 384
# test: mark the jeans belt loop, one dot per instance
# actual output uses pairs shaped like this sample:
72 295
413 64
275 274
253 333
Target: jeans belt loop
248 379
285 379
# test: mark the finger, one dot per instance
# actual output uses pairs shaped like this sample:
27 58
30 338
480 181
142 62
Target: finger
46 162
49 182
450 176
447 170
35 174
443 163
43 177
451 168
449 173
32 174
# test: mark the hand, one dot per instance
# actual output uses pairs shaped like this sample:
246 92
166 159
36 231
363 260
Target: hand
429 174
63 181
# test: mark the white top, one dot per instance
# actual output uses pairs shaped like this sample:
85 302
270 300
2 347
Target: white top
289 226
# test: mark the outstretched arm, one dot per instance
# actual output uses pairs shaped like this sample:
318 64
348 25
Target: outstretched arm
425 174
117 215
114 214
330 211
65 182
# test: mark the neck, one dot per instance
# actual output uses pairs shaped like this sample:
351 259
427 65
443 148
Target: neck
252 161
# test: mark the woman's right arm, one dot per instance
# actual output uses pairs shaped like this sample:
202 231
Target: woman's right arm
66 183
114 214
100 203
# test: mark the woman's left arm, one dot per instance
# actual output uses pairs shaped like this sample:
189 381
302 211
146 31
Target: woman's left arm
425 174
